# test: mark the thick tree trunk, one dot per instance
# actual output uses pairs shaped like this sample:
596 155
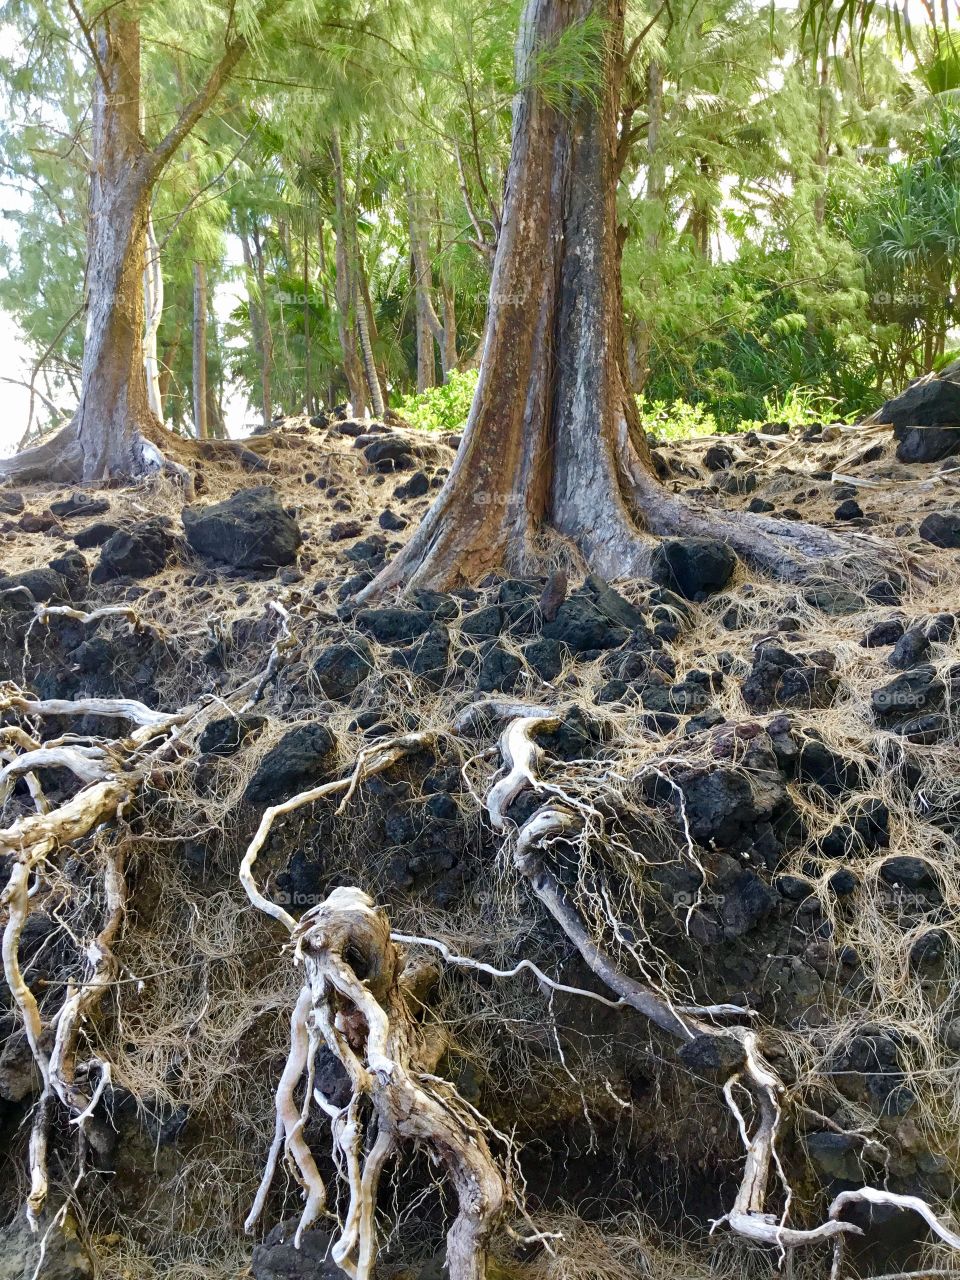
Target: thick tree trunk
552 443
200 350
114 423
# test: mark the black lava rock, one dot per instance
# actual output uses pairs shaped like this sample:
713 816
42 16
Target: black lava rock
137 552
848 510
302 758
919 689
11 502
908 871
717 457
942 528
912 647
20 591
369 550
499 671
925 420
79 504
581 625
95 535
782 679
250 530
694 567
883 633
392 522
545 657
429 656
342 667
415 487
225 737
278 1258
486 622
393 626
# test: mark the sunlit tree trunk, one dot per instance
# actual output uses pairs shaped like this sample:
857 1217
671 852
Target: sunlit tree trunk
200 350
553 446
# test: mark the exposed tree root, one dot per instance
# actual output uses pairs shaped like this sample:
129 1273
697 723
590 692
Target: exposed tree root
150 450
749 1216
359 998
110 771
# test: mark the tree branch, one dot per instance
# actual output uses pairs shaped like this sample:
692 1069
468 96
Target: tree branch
234 50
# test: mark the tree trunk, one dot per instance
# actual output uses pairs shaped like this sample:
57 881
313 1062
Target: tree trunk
170 353
115 432
448 349
216 427
552 443
153 307
307 377
428 326
266 332
200 350
345 285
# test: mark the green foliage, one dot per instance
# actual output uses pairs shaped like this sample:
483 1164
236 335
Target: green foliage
440 408
676 420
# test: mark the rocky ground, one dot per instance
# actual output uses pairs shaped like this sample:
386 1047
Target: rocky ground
776 777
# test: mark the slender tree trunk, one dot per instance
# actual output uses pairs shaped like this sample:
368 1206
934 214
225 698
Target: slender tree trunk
345 284
364 331
167 362
639 363
200 350
259 319
821 160
216 427
429 328
448 349
426 360
552 444
153 306
307 389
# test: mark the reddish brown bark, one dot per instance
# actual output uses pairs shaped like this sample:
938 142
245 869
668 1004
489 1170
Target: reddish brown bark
552 445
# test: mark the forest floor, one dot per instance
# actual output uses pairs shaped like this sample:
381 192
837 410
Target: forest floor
776 774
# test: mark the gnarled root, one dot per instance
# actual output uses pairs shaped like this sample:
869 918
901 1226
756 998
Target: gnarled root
110 772
566 819
357 1000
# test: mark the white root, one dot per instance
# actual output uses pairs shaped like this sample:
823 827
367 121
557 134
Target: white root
371 761
748 1216
367 1021
47 611
109 774
118 708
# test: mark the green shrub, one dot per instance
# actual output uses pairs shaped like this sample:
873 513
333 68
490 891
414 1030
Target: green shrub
441 408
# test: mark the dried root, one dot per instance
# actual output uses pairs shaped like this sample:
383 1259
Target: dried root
359 999
763 1170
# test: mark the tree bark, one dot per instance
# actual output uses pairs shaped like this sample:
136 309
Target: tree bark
153 306
448 349
200 350
115 432
552 443
345 286
170 353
